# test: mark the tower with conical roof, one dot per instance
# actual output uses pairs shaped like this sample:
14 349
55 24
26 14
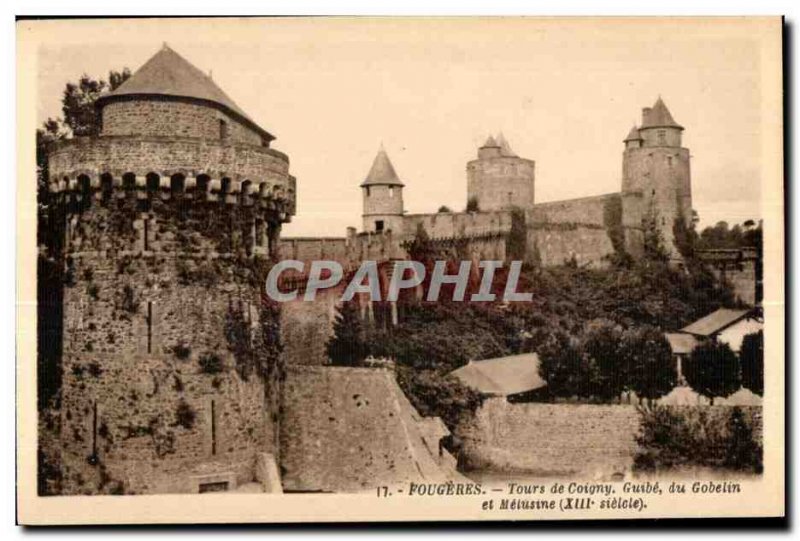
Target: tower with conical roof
656 180
499 179
170 370
383 197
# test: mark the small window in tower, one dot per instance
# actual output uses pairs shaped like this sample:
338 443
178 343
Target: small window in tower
223 129
367 191
669 161
391 191
378 225
662 137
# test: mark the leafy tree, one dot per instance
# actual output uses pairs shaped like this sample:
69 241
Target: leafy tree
436 394
561 364
472 204
647 360
517 240
601 344
444 208
751 357
713 370
346 347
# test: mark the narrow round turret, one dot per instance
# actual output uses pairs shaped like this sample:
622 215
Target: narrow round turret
383 197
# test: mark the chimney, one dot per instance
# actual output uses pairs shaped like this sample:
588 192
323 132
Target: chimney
646 114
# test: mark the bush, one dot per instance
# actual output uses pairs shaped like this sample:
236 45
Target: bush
185 415
211 363
433 394
182 351
562 365
675 437
647 358
751 357
712 370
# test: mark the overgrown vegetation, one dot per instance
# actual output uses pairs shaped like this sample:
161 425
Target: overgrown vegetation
679 437
598 332
713 370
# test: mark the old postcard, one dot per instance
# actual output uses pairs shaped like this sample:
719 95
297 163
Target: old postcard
399 269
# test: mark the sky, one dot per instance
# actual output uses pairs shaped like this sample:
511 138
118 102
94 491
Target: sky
564 94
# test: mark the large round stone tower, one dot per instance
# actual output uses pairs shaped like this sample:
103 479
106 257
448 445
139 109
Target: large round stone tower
170 360
656 179
499 179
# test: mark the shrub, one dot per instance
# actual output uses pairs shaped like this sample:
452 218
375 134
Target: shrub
472 204
434 394
713 370
182 351
185 415
751 357
211 363
647 358
674 437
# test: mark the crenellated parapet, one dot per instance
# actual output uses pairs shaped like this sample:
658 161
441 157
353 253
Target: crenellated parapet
155 167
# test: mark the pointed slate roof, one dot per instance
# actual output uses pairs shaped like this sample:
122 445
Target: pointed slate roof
169 74
505 148
633 135
659 117
490 143
382 172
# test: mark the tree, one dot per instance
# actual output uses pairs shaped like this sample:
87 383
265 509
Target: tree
601 344
564 368
517 240
346 347
713 370
472 204
751 357
647 360
444 209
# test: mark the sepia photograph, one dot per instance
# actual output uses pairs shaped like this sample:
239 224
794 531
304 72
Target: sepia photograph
403 269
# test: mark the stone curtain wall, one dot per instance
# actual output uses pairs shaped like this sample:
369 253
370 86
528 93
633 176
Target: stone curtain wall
173 118
551 439
582 229
306 328
581 440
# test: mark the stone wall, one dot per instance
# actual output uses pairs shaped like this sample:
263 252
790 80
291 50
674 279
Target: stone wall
581 229
352 429
174 118
567 440
446 225
306 328
593 441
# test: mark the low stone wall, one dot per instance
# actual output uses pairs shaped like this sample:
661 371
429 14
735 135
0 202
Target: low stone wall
565 440
594 441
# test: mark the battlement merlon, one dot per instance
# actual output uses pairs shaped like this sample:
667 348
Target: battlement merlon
243 173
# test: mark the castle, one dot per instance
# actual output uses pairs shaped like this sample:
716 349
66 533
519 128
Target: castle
655 193
171 374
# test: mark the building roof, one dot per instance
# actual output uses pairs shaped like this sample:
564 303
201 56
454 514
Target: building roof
659 116
633 135
715 322
490 142
382 172
505 148
169 74
681 343
502 376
